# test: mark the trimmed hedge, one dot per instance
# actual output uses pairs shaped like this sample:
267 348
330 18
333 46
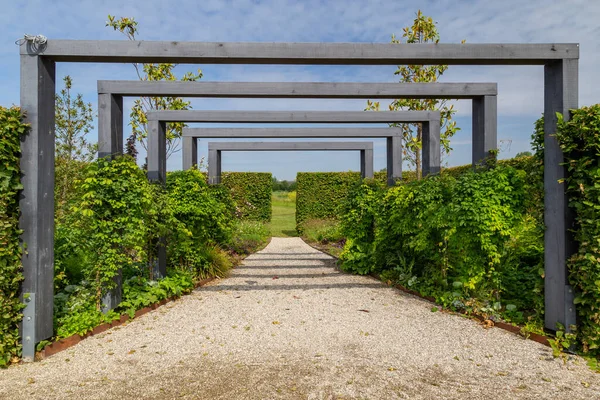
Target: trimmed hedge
319 194
12 129
251 192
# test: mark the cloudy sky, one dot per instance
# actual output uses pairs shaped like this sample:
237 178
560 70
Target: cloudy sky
520 99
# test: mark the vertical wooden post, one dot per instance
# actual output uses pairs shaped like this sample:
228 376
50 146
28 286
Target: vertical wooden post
157 172
484 129
431 151
367 164
157 151
37 200
190 152
110 125
394 159
213 168
110 144
560 96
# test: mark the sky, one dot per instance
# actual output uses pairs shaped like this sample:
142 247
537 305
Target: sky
520 88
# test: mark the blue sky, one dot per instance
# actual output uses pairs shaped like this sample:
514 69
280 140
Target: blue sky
477 21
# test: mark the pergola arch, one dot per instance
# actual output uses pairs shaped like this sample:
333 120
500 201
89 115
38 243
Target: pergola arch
38 74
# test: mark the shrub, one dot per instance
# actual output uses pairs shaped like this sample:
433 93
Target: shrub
579 140
251 193
12 129
466 241
109 224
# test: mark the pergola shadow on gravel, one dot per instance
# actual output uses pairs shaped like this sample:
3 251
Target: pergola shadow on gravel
215 150
38 76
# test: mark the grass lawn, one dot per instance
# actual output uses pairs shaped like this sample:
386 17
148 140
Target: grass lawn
283 220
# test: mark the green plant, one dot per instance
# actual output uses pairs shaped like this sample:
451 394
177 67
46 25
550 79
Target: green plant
251 192
152 72
322 231
139 292
110 220
468 241
562 341
248 236
423 30
579 139
12 129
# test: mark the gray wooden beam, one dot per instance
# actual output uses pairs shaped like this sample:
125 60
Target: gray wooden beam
215 150
394 159
334 117
290 132
302 90
431 151
121 51
37 200
560 95
484 128
110 125
289 146
189 149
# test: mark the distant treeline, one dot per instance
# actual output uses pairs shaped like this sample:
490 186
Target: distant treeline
285 186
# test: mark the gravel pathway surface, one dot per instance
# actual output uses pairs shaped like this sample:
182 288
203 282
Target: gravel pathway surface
288 325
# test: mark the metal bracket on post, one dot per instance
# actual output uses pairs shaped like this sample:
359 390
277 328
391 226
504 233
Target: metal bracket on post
29 341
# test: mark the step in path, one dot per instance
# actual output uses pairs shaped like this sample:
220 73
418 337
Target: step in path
287 324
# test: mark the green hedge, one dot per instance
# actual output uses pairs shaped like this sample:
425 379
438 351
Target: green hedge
319 194
11 272
251 192
579 140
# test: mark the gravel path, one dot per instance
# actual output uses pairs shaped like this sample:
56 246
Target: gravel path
288 325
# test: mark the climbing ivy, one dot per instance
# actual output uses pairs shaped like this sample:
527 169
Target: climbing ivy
579 140
12 129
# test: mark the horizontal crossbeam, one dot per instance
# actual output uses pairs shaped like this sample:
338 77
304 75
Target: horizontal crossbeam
301 90
290 146
293 116
290 132
123 51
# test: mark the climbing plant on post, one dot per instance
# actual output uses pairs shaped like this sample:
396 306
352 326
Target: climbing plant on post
423 30
152 72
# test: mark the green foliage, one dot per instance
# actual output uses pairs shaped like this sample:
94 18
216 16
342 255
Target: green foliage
579 139
319 194
423 30
73 152
251 192
139 292
466 241
323 231
111 220
12 129
205 212
75 311
249 236
152 72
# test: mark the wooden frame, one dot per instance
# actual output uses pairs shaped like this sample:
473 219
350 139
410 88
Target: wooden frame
216 148
38 74
430 120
